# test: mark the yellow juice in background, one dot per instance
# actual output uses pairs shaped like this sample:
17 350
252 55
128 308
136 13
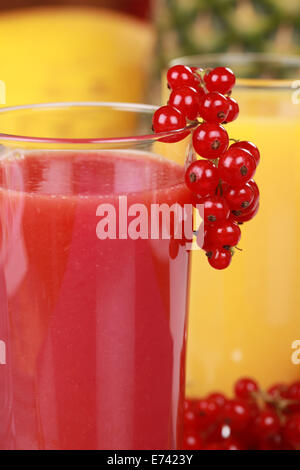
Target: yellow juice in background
59 54
244 320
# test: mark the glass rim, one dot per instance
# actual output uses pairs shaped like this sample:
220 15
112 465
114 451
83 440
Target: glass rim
241 58
118 106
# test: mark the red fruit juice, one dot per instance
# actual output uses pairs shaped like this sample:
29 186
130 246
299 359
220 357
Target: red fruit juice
94 329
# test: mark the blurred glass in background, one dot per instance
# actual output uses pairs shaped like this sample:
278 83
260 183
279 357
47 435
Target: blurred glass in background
75 51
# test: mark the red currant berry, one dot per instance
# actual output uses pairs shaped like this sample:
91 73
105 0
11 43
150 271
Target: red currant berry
219 258
291 430
191 441
232 444
210 140
233 109
267 423
190 419
197 199
215 209
203 240
189 404
239 198
167 119
208 411
236 166
218 432
237 414
245 387
274 442
278 390
214 107
186 99
202 177
180 75
220 79
244 216
293 393
213 446
244 144
225 234
219 398
255 190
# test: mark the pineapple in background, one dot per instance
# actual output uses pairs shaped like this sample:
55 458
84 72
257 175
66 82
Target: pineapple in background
188 27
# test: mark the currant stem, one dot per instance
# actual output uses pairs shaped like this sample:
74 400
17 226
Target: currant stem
219 188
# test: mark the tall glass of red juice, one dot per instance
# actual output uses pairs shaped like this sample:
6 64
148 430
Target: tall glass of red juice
92 307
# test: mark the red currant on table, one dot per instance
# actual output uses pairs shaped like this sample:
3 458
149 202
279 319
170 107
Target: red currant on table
278 390
224 234
219 431
291 430
219 258
232 444
219 398
274 442
189 404
244 144
191 441
215 209
293 393
208 411
214 107
190 420
221 79
210 140
267 423
245 387
239 198
236 166
233 109
167 119
213 446
186 99
180 75
237 414
201 177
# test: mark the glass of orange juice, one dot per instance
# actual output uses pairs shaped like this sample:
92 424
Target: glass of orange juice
245 321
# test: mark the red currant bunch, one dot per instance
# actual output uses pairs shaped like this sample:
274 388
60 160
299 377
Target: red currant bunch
253 419
221 179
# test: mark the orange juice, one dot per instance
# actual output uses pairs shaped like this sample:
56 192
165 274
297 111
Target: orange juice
244 320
